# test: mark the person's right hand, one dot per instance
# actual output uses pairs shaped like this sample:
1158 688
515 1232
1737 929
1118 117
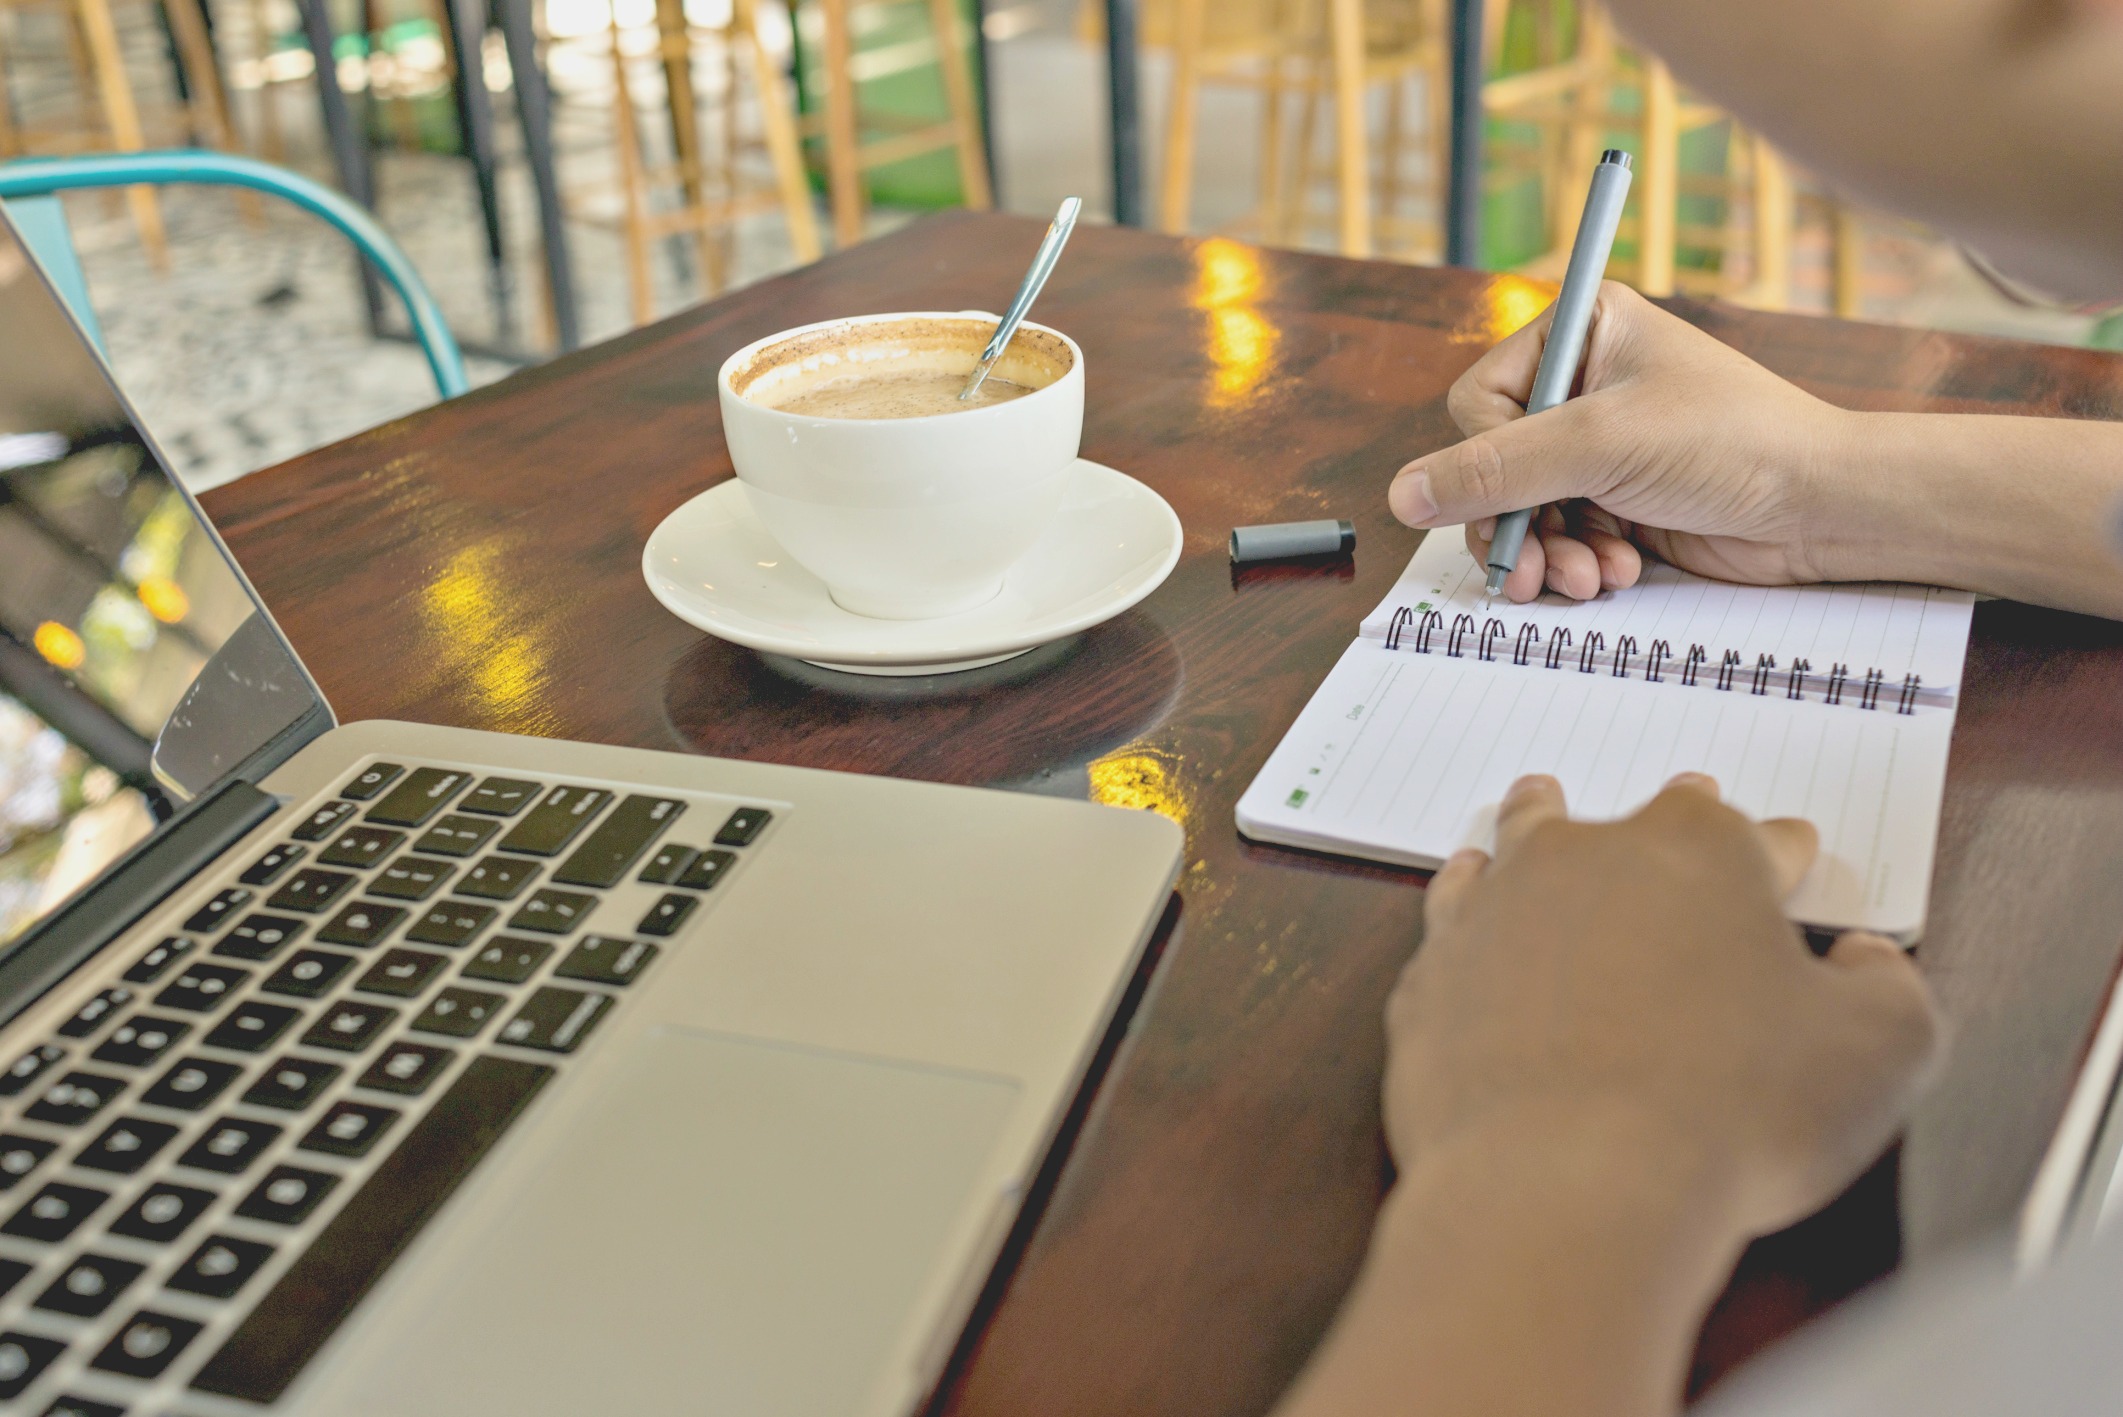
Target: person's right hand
1678 444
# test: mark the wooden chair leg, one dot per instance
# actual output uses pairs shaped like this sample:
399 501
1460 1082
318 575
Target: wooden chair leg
1390 150
1272 140
211 119
633 185
1182 109
675 44
10 140
1658 180
271 145
1774 215
1353 163
843 135
1297 205
1848 263
778 120
123 120
972 144
1578 151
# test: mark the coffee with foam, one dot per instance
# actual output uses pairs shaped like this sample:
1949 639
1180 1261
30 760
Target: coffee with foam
896 369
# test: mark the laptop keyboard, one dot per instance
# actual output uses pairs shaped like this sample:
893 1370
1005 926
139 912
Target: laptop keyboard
209 1163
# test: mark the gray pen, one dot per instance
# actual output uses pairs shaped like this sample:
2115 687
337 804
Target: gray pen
1566 335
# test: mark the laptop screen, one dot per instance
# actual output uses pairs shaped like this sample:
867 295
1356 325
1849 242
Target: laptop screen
114 599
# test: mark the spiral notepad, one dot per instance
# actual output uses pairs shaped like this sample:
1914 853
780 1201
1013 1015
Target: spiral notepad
1833 703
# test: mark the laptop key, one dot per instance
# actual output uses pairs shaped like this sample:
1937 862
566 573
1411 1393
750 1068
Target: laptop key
608 853
669 862
457 836
287 1195
23 1359
311 890
269 867
599 960
556 1020
74 1099
147 1344
260 936
163 1212
21 1155
292 1084
459 1013
156 962
230 1146
308 974
218 911
552 912
29 1067
68 1405
349 1026
97 1012
705 873
192 1084
508 960
252 1026
220 1266
125 1146
670 912
90 1285
423 794
360 847
498 878
744 826
12 1273
547 828
141 1041
319 824
501 796
202 989
349 1129
370 781
411 878
317 1292
54 1212
451 922
407 1069
402 974
361 924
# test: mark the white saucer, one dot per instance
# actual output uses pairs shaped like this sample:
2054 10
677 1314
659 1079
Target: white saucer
712 564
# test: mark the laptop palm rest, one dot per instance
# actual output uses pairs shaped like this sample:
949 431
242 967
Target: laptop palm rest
725 1226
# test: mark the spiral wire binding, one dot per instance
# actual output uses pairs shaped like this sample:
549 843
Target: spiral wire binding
1528 642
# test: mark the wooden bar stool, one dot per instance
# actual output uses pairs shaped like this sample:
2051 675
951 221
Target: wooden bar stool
114 122
858 142
710 195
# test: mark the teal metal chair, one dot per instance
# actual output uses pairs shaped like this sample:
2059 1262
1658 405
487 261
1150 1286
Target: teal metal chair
30 187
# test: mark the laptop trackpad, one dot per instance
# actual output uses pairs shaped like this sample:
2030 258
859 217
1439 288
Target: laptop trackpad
731 1227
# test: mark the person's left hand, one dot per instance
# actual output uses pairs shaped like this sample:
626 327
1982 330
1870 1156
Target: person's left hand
1634 989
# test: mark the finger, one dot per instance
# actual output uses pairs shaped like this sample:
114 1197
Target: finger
1560 455
1449 887
1900 1014
1861 949
1495 387
1531 803
1572 568
1620 563
1701 782
1792 845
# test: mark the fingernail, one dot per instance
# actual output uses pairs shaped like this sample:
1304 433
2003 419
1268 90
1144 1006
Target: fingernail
1486 528
1411 500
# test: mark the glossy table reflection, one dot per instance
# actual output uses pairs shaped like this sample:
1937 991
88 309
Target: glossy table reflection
478 564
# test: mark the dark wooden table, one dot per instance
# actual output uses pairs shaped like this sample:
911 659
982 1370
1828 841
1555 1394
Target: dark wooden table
479 564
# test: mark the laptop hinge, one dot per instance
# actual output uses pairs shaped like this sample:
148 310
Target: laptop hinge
138 882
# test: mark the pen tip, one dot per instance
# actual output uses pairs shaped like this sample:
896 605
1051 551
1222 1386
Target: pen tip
1496 581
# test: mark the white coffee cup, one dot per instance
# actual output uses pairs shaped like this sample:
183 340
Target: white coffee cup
905 518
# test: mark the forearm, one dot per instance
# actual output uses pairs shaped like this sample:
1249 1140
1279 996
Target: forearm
2017 507
1508 1281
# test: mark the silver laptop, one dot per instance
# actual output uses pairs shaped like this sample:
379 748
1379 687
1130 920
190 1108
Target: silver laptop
392 1070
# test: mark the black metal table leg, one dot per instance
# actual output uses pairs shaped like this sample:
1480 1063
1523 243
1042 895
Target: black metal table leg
534 110
349 155
1126 109
1463 198
475 124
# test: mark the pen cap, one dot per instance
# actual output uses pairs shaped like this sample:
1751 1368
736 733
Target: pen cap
1284 540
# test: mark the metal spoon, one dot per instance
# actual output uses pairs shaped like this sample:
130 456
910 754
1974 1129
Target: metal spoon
1050 250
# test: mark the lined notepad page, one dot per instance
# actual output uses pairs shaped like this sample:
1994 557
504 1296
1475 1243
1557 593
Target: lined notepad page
1402 756
1896 629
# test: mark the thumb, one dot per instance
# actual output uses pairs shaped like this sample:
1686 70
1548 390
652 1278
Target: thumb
1529 462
